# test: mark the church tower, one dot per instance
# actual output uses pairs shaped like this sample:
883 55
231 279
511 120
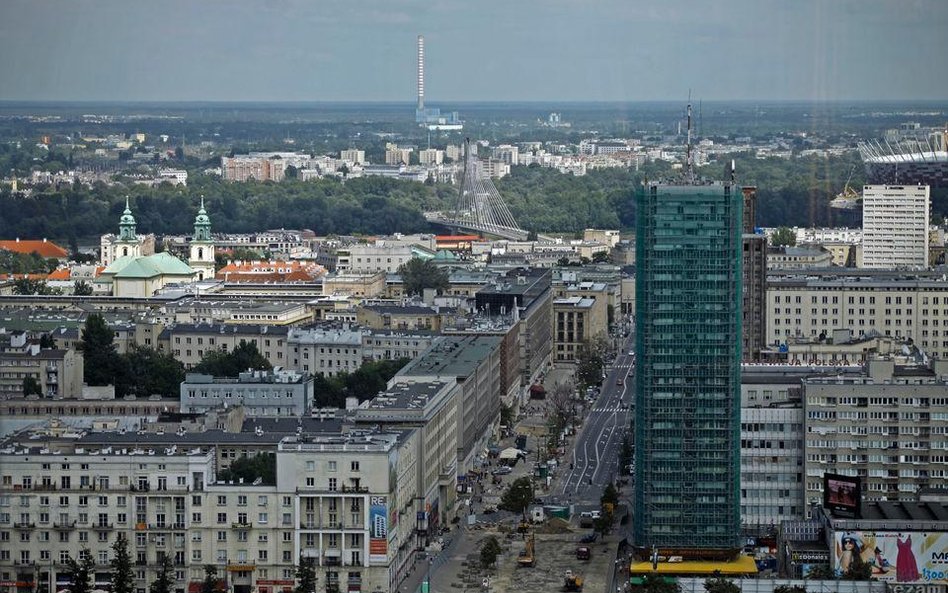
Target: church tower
127 244
202 247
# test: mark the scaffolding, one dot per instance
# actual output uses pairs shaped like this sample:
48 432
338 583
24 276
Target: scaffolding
688 340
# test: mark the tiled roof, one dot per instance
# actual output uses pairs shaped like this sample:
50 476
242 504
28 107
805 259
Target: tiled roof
44 248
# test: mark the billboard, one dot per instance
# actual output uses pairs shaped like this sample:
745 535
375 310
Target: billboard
378 529
895 557
842 495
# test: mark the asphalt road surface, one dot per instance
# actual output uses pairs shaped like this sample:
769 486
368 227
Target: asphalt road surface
595 457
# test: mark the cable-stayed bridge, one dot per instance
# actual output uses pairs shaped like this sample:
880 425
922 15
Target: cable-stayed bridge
479 207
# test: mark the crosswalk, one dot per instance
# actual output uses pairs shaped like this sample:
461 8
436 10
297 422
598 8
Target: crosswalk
610 409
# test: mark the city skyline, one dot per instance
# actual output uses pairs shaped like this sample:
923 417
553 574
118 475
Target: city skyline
557 51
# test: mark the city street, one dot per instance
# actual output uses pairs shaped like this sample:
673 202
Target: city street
595 457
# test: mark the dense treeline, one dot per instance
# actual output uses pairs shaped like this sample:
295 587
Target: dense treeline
366 205
792 192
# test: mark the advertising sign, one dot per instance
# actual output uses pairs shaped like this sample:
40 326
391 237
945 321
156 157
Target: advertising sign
895 557
842 495
378 529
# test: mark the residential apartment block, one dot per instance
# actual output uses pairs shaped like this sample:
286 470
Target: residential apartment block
887 426
349 502
895 226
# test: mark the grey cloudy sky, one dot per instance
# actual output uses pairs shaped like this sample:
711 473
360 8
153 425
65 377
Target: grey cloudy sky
478 50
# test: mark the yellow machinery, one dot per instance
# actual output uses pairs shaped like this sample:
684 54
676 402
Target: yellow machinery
527 555
572 582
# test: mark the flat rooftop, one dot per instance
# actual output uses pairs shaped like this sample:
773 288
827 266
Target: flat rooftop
457 356
407 395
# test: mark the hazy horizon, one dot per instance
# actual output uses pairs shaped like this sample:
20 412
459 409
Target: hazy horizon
532 51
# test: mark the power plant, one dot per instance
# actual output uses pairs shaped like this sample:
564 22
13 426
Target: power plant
431 117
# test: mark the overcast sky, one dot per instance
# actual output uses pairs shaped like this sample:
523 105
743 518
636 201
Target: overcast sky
478 50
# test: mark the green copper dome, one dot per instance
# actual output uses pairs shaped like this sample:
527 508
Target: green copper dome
202 225
127 217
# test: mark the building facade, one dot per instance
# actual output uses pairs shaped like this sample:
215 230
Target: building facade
891 303
262 393
888 427
687 380
895 226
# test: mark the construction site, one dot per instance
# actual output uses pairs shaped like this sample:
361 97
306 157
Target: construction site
533 562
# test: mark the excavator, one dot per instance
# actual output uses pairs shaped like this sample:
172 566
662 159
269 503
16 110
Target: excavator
527 557
572 582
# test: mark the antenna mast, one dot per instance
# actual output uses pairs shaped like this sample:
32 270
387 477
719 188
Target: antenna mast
689 165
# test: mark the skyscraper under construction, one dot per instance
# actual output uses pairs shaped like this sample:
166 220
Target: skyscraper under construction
687 391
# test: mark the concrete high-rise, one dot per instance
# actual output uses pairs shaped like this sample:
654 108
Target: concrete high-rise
895 226
687 380
754 263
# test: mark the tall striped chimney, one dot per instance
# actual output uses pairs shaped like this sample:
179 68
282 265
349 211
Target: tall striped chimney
421 73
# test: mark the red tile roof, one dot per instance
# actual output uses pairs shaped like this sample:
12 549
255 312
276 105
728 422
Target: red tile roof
44 248
60 274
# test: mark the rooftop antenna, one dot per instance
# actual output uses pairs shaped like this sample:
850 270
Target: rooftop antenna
689 165
700 119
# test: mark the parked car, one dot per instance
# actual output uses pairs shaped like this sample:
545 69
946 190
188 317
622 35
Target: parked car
588 539
502 470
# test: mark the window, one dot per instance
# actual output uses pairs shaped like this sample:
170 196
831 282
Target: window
354 466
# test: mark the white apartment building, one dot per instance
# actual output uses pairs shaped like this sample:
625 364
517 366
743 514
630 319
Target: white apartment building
815 303
55 506
355 506
895 226
888 426
352 156
507 153
430 156
350 502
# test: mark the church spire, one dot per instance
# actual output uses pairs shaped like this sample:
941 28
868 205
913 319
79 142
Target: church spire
127 224
202 225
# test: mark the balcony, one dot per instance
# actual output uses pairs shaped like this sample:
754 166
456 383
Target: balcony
64 525
102 526
24 563
24 525
240 525
361 489
178 526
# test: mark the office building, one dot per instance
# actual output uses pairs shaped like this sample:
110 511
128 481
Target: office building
687 380
895 226
527 294
431 407
772 445
262 393
473 362
891 303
